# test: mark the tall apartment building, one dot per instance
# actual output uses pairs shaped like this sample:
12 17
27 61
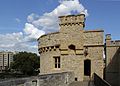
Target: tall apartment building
5 59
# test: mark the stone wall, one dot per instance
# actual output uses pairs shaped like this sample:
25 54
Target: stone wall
49 40
57 79
112 72
97 64
93 41
93 37
14 82
112 66
72 20
86 45
47 65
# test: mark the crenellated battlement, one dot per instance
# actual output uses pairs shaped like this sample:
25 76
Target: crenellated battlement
110 42
72 47
115 43
72 20
48 48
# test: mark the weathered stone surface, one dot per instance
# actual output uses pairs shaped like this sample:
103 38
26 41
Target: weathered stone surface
112 73
88 45
54 79
14 82
57 79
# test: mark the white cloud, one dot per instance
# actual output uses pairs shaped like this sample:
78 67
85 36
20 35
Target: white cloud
31 32
16 42
32 17
11 38
39 25
21 41
49 21
6 45
18 20
25 46
8 41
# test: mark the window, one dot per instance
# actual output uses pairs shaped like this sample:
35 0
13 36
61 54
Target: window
72 47
76 79
57 62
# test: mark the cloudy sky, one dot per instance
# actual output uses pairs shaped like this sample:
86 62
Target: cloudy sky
23 21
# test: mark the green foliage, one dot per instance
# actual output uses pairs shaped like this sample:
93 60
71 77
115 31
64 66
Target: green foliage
26 63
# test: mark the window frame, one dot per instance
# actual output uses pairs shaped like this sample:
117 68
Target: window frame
57 62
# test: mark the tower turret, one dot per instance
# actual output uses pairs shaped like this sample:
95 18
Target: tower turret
108 39
73 21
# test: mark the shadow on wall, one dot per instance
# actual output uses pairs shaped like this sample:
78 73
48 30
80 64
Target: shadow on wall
112 74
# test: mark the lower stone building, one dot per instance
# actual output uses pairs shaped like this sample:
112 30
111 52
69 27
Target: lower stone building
72 49
112 68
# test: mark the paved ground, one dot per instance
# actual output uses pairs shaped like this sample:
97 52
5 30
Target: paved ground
87 82
82 83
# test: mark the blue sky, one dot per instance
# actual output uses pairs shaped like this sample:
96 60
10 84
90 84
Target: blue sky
104 14
20 20
12 9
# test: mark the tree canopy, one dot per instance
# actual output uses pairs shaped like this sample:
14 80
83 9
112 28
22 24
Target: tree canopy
26 63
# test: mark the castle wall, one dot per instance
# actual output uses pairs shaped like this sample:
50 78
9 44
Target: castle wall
71 31
112 62
48 48
74 46
54 79
93 37
95 54
47 62
74 64
112 67
94 43
49 40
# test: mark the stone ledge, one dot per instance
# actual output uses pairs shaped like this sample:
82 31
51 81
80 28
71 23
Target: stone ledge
112 45
48 34
93 45
87 31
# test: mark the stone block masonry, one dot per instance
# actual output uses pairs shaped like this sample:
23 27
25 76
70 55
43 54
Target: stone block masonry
72 49
55 79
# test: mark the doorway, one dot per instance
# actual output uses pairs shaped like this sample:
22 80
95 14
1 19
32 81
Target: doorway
87 67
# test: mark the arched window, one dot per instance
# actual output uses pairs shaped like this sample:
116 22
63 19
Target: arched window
72 47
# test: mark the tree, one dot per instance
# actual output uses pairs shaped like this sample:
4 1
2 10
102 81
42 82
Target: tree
26 63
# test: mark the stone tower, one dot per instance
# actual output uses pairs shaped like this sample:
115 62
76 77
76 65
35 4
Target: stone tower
72 49
71 30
